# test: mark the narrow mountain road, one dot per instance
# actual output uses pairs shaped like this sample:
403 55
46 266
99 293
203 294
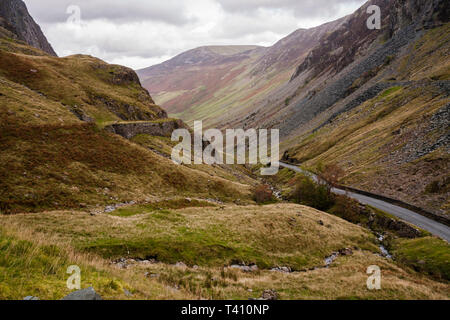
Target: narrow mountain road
434 227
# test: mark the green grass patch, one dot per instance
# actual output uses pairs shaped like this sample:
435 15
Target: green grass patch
160 207
390 91
29 269
429 255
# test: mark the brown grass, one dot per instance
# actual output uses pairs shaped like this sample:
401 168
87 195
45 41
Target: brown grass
54 166
345 279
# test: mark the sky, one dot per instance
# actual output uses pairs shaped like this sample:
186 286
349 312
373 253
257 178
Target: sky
142 33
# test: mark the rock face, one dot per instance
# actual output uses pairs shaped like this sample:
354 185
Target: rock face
88 294
15 18
352 37
160 128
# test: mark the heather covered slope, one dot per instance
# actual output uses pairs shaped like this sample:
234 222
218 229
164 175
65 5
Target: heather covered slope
195 78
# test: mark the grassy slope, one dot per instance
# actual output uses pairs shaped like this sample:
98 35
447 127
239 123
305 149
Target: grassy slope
33 264
192 236
237 98
428 255
368 140
164 145
101 91
51 159
236 234
63 166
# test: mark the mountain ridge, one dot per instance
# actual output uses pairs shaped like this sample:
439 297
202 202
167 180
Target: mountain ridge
250 72
14 16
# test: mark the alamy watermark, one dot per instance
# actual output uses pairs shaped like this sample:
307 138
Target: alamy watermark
374 21
74 13
374 280
74 281
236 147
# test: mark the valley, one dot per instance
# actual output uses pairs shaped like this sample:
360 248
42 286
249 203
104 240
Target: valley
87 179
374 102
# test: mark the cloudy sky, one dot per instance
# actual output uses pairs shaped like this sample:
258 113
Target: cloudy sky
141 33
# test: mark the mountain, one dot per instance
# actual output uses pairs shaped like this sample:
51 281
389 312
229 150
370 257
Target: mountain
208 83
15 18
196 76
373 101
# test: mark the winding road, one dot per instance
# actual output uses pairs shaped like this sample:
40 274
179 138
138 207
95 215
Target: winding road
434 227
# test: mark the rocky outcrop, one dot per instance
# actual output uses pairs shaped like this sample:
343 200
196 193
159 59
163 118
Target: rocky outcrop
128 112
118 75
309 107
17 20
158 128
425 14
353 36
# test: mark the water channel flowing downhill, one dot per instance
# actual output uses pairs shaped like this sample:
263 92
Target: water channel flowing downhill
434 227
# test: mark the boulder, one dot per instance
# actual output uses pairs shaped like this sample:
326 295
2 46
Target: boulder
180 265
88 294
269 295
244 268
282 269
346 252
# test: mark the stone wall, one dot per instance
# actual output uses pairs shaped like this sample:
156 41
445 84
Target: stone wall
132 129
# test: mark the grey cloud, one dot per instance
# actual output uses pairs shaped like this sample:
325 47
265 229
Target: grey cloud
140 32
122 11
302 9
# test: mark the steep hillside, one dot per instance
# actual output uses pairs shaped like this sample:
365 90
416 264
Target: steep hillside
348 61
54 153
214 83
384 117
15 18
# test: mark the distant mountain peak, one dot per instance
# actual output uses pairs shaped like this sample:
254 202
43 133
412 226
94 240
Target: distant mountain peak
15 18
